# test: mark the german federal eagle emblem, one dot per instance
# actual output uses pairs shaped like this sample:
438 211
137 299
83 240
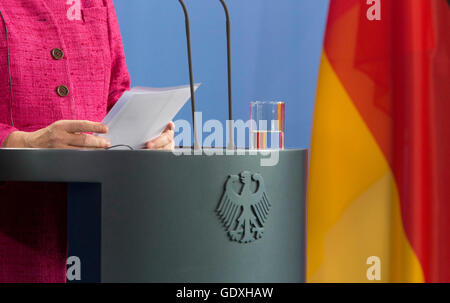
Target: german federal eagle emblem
244 210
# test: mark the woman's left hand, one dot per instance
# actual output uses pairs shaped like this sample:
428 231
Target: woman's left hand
165 141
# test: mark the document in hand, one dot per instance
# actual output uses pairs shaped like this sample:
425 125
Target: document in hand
142 114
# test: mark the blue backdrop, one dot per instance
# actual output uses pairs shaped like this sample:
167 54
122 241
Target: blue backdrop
276 47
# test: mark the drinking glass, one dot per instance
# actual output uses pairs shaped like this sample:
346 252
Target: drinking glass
268 125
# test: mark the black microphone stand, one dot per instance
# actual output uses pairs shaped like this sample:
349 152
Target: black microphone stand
231 144
197 146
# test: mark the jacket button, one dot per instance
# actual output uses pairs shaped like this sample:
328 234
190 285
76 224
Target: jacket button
57 54
62 91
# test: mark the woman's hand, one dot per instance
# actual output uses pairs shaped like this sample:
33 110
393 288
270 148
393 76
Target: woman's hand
61 134
165 141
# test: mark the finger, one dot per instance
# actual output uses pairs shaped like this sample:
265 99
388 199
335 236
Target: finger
170 146
84 127
163 140
76 147
170 126
168 130
88 141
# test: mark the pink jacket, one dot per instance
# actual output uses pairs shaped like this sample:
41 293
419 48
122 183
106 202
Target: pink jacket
93 68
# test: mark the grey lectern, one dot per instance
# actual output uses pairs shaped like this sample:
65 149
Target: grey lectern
150 216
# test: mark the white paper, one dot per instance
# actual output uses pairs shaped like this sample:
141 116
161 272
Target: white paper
142 114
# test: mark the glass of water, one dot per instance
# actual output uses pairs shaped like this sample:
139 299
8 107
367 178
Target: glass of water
268 125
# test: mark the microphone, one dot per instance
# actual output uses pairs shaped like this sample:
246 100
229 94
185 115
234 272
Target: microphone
191 73
9 68
231 144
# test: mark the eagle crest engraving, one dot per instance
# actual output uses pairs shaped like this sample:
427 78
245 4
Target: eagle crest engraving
244 212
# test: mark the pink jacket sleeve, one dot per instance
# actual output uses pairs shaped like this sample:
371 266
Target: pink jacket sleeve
120 78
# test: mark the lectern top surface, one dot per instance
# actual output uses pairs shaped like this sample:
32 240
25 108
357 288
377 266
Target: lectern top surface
101 165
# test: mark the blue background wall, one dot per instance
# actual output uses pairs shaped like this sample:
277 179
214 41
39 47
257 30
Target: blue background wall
276 52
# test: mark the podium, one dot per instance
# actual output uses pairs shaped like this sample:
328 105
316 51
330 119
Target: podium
153 216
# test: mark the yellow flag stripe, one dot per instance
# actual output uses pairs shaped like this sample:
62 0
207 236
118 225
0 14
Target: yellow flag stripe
353 204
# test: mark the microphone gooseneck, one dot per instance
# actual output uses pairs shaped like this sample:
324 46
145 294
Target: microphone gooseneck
191 73
231 144
9 69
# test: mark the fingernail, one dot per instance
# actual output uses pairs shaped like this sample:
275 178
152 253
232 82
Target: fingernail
107 144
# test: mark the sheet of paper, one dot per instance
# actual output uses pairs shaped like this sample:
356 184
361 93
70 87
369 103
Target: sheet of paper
142 114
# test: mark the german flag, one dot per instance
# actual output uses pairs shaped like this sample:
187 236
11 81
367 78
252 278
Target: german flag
380 157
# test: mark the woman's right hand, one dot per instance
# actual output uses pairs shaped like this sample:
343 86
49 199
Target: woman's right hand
62 134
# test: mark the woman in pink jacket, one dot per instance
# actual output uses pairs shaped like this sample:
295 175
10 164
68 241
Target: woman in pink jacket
62 67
